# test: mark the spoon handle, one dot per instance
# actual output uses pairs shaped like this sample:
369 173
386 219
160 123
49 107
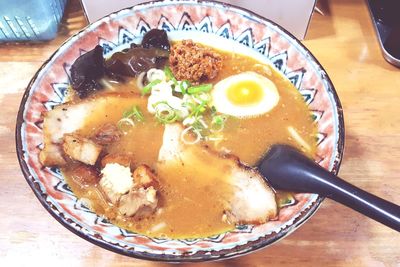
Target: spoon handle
290 170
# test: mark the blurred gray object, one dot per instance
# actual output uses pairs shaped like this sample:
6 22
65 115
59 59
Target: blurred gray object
386 19
30 20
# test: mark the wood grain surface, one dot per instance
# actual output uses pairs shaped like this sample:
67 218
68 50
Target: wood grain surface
369 88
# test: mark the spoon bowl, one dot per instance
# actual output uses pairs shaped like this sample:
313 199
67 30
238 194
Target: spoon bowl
286 168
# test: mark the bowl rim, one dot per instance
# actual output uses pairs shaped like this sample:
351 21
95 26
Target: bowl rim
198 256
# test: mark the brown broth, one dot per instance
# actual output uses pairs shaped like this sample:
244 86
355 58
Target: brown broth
190 195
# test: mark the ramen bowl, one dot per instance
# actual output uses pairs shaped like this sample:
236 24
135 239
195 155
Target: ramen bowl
212 23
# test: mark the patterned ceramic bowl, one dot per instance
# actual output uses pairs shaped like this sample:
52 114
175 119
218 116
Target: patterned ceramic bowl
207 21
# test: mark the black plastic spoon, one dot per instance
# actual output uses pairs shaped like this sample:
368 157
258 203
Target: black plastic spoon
288 169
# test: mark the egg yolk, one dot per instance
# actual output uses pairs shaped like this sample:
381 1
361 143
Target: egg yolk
245 93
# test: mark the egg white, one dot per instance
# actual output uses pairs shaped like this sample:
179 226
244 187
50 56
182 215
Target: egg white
268 101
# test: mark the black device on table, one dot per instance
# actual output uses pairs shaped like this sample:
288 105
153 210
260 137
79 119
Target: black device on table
386 18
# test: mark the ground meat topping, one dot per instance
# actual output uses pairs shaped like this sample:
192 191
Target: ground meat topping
193 62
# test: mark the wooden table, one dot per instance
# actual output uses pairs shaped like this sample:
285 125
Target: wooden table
344 42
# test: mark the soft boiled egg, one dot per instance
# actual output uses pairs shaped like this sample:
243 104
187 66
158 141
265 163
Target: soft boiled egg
247 94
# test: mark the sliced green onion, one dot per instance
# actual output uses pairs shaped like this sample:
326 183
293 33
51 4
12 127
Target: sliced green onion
195 101
149 86
170 75
199 88
202 96
127 113
199 124
125 124
187 133
184 85
199 109
218 123
188 121
137 114
218 120
189 104
134 113
203 123
165 113
128 119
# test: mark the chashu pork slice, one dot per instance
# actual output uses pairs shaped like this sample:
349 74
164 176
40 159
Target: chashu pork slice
252 200
73 116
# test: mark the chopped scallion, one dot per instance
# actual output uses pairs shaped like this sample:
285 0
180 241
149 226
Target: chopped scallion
218 123
137 114
134 113
149 86
199 88
199 124
165 113
218 120
168 73
190 136
125 124
180 101
184 85
198 109
129 117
